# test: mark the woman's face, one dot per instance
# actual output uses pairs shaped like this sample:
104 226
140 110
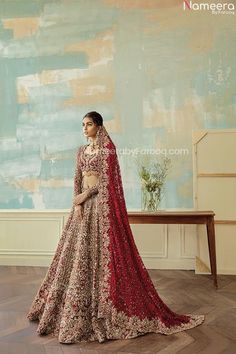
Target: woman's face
89 127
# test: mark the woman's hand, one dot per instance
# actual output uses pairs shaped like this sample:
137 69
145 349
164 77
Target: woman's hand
80 198
79 211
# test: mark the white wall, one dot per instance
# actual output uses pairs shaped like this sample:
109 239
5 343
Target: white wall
30 238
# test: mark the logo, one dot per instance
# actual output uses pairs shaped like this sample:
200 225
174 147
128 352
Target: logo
215 8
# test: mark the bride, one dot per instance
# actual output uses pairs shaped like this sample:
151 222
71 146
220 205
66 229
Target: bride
97 286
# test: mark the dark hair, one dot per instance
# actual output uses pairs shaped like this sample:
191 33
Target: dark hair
96 117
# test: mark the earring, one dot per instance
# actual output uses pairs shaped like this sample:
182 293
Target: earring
96 137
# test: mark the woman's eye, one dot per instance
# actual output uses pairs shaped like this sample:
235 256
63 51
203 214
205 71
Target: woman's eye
87 124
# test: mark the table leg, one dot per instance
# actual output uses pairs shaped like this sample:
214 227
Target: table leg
212 247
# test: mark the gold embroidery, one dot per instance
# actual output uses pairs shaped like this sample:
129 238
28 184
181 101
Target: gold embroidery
73 300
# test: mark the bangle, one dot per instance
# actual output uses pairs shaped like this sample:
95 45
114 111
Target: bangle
88 193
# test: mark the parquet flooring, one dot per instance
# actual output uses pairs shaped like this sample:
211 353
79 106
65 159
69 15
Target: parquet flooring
182 290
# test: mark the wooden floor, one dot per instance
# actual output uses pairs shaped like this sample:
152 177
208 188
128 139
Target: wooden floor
183 291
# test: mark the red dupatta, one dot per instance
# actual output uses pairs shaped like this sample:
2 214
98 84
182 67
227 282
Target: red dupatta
127 296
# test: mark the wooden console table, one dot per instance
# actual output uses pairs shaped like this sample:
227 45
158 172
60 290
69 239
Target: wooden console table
182 217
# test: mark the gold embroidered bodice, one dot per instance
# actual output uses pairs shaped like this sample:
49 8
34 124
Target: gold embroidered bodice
89 167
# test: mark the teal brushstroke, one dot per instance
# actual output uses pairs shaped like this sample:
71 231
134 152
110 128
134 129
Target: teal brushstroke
5 33
8 101
57 198
10 69
22 8
12 198
26 66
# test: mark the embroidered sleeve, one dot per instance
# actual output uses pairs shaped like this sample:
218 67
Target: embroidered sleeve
78 174
94 189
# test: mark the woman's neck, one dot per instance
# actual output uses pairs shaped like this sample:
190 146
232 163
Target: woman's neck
93 144
93 140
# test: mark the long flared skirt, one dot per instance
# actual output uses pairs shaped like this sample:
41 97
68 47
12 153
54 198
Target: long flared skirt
67 302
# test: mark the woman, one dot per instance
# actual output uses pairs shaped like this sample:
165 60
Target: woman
97 286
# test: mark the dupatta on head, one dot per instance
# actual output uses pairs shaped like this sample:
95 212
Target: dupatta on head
127 297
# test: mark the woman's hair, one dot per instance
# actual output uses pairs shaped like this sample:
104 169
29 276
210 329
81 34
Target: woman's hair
96 117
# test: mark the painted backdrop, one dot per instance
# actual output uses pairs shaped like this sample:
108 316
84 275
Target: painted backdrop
155 71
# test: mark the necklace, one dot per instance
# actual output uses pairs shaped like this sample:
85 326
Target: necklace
93 147
94 143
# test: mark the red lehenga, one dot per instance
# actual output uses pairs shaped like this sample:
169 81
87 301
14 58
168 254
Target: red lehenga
97 286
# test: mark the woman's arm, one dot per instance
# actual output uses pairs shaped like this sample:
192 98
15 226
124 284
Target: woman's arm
78 174
94 189
80 198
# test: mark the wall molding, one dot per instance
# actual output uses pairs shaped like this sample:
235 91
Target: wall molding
30 237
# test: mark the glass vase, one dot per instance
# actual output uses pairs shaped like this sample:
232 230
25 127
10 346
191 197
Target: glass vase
150 200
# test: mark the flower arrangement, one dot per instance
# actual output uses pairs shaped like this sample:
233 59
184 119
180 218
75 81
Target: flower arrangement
153 175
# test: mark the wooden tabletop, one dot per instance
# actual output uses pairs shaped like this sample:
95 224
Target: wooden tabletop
172 212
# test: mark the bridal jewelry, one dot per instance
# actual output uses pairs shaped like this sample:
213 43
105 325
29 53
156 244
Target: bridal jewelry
94 145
